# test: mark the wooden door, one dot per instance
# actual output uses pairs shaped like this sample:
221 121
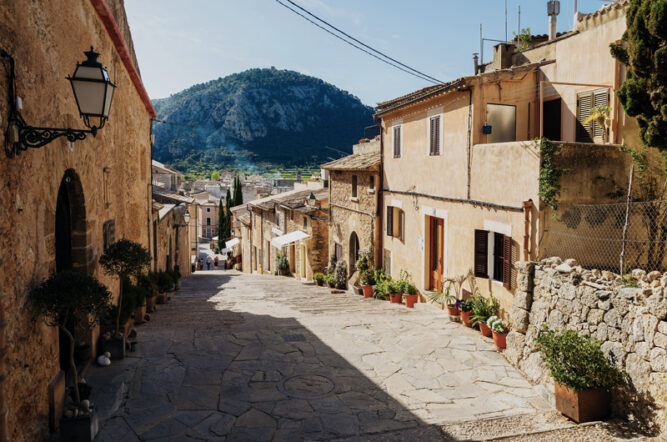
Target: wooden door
436 267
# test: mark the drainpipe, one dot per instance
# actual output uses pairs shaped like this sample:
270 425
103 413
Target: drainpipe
379 197
469 140
527 207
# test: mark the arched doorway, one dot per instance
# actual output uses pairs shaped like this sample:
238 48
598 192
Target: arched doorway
354 252
70 237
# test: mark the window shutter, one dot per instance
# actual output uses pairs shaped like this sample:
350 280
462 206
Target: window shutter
584 108
397 141
507 262
435 136
481 253
401 225
390 221
601 98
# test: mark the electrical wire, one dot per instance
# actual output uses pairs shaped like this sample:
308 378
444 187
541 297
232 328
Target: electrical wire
358 47
362 43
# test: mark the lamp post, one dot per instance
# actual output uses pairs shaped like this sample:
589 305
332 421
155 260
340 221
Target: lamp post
93 92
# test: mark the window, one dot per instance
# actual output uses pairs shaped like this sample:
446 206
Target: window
254 220
276 217
502 119
493 257
208 221
305 222
208 210
397 141
371 182
586 101
354 186
339 252
434 135
395 222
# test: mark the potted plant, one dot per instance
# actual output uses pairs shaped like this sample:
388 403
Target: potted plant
499 330
410 294
124 259
175 276
482 310
283 264
139 295
330 280
367 282
164 284
148 282
582 374
70 300
395 289
319 278
340 275
466 312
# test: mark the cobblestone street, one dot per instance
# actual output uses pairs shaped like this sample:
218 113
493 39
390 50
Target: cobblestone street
268 358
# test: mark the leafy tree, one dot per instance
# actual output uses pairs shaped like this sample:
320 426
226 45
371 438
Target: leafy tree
643 50
70 299
124 259
215 176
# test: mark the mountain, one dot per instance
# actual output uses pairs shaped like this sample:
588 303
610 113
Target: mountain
257 117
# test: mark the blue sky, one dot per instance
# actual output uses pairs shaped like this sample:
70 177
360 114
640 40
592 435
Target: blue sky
181 43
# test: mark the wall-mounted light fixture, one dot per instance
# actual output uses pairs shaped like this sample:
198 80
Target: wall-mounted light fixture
93 92
186 218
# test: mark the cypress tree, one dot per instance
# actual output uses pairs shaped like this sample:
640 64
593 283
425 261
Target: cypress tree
643 50
238 192
221 223
228 216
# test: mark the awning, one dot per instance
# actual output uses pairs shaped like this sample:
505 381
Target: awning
291 237
232 242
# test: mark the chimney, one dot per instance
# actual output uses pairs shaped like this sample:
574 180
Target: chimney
502 56
553 9
475 60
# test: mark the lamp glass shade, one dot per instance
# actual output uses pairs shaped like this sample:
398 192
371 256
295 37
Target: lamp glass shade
186 217
93 90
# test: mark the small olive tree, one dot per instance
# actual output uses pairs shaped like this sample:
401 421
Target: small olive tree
124 259
70 299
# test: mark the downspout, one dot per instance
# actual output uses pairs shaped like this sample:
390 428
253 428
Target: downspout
527 207
469 140
379 197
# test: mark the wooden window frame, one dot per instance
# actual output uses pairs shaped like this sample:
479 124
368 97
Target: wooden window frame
435 138
355 186
397 141
501 257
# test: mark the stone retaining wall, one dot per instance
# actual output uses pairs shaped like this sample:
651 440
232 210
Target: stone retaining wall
631 323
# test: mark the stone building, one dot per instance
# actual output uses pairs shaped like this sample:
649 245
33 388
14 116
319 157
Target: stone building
64 201
165 176
354 223
294 223
171 245
460 182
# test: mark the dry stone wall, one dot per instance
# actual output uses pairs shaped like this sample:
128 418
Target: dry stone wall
631 323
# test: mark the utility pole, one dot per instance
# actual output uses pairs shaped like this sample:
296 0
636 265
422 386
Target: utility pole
505 20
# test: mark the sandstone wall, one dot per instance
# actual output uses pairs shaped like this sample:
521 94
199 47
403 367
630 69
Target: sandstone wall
631 323
47 39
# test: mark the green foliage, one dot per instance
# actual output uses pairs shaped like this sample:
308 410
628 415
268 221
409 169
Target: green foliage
628 281
395 287
125 258
146 282
410 289
164 282
70 299
365 261
497 325
175 275
329 279
524 39
442 297
283 262
483 308
238 191
577 361
222 220
340 275
215 176
643 51
550 173
367 277
331 268
319 277
466 306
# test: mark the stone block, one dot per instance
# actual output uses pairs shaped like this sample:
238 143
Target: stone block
523 299
654 275
519 319
650 327
588 297
612 318
643 350
621 305
595 316
601 333
614 351
660 340
657 306
637 330
615 334
556 320
516 343
533 367
638 369
539 312
571 262
662 327
659 360
628 292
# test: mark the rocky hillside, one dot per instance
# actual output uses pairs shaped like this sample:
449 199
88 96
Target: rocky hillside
258 116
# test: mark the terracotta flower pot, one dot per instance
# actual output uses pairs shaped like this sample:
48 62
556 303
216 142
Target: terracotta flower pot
499 339
368 291
319 283
465 318
395 298
582 406
484 329
410 300
454 313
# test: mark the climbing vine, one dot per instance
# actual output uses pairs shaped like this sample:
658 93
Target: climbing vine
550 173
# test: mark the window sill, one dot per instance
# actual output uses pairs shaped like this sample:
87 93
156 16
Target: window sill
370 190
354 199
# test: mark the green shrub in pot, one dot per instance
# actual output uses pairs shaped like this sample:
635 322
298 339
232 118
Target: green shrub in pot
483 308
367 277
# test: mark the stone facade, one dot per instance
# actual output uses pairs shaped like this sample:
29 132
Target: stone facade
631 323
172 249
106 177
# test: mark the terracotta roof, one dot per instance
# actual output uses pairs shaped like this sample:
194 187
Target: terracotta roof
291 199
163 194
360 161
618 4
420 94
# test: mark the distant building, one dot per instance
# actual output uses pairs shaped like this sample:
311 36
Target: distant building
164 176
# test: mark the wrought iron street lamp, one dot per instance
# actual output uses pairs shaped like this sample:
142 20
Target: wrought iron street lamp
93 92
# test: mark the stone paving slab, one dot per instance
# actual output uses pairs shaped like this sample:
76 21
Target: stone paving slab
249 357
